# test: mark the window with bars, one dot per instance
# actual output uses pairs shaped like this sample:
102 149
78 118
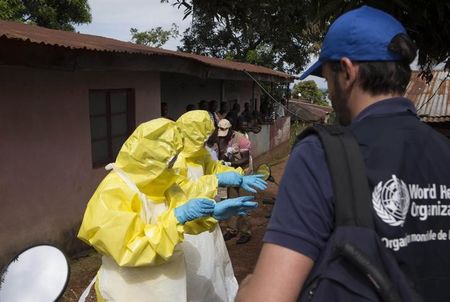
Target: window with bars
112 121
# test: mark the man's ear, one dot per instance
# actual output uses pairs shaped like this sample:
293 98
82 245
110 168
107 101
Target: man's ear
349 70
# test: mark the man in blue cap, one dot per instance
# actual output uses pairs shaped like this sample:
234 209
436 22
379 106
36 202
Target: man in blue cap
365 59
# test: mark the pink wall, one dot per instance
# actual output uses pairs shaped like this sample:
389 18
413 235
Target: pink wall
46 171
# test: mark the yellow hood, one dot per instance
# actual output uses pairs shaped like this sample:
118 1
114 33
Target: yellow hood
145 156
196 126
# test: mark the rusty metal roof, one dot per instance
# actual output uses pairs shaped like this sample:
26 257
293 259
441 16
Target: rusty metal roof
431 100
72 40
308 112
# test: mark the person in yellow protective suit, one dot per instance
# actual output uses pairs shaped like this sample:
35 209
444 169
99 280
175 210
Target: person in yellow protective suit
138 216
200 175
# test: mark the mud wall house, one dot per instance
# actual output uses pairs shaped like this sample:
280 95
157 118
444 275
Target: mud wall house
68 101
432 100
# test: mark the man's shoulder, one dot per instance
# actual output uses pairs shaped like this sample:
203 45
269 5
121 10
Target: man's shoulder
309 151
310 141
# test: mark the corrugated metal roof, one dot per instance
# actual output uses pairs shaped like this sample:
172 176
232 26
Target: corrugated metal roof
308 112
72 40
431 100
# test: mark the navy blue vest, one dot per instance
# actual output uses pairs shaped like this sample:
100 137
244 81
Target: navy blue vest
408 167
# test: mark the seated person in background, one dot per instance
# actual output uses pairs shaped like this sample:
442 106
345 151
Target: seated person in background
190 107
203 105
234 149
165 110
246 114
213 106
233 115
223 110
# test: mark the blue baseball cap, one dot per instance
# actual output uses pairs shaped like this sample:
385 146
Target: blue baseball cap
362 34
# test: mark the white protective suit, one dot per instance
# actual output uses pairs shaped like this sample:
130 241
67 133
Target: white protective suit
206 254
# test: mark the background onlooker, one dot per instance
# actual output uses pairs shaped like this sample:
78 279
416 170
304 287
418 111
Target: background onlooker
190 107
165 111
246 114
234 148
223 110
212 108
233 115
203 105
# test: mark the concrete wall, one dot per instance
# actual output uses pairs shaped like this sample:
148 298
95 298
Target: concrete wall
270 136
260 141
179 90
280 131
46 172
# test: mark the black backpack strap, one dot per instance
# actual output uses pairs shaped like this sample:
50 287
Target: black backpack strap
348 174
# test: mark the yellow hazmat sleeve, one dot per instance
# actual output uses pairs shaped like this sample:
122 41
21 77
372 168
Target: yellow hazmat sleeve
204 186
112 224
215 166
178 196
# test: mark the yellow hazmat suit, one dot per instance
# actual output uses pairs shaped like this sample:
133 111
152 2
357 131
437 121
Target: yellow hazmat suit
130 220
206 254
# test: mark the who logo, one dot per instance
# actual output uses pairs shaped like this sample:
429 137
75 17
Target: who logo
391 201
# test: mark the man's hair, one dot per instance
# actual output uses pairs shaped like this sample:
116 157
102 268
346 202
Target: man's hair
381 77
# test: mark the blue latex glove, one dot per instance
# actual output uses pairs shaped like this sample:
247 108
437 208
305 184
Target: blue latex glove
229 179
193 209
236 206
252 182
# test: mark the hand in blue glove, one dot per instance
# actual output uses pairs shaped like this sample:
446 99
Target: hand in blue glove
236 206
252 182
193 209
229 179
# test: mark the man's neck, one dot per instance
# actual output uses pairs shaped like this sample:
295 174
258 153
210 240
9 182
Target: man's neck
360 100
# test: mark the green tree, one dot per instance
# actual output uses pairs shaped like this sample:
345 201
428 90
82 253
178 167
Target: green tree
282 33
426 21
155 37
272 33
309 91
56 14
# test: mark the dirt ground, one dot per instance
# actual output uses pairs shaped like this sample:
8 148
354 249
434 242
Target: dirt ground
243 256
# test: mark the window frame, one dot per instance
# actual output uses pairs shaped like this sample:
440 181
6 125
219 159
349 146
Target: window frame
130 116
